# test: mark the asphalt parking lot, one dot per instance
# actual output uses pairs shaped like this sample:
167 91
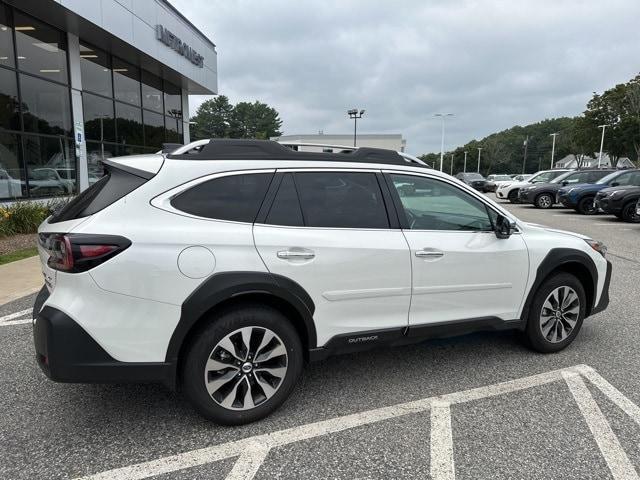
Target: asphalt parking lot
473 407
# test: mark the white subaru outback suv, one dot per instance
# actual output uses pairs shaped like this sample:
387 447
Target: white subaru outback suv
222 269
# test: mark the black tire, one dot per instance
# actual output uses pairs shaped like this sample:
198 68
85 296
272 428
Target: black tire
206 340
513 196
585 206
629 214
619 215
533 334
544 200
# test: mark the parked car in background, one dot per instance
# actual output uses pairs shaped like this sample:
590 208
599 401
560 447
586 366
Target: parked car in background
474 180
9 187
543 195
47 181
581 197
510 191
494 180
522 177
619 201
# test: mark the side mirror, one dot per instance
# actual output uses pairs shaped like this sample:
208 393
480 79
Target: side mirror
615 184
504 227
565 183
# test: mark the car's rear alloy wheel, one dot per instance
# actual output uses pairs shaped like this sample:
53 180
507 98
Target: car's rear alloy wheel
242 364
544 200
629 213
559 314
556 313
246 368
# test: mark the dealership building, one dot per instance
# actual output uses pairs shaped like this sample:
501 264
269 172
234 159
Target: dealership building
84 80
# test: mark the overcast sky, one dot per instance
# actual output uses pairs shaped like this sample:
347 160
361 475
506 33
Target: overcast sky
494 64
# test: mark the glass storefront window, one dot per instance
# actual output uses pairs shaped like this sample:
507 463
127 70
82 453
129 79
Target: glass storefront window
45 106
96 152
95 69
9 104
99 120
41 48
129 124
126 82
174 129
151 92
6 39
153 129
51 165
12 184
172 100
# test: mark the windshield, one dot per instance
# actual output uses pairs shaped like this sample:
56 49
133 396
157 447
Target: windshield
562 177
608 178
544 177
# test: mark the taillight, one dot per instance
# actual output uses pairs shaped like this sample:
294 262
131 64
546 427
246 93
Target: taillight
77 252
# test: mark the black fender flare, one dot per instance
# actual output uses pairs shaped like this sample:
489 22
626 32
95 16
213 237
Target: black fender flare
556 259
226 285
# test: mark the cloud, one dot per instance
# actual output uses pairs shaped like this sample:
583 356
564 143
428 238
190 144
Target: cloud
494 64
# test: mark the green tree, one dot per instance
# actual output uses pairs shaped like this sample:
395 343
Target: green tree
218 118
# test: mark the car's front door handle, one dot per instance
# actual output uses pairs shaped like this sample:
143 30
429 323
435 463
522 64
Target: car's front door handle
296 254
426 253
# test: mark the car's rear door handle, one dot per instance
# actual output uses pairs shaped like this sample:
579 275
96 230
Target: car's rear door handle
429 253
296 254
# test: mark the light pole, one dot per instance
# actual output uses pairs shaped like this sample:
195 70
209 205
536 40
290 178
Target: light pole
479 152
601 143
553 147
465 162
355 114
442 117
452 164
524 158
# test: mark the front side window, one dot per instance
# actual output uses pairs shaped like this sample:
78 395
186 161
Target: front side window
627 178
234 197
575 178
341 200
430 204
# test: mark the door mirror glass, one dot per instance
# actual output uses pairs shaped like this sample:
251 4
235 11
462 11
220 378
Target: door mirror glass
615 184
504 227
565 183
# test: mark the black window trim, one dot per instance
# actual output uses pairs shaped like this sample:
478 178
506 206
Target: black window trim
275 184
400 208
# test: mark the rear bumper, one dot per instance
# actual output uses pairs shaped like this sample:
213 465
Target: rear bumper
604 297
66 353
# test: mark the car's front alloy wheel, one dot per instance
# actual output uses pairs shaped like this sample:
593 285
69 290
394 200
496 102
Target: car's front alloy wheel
556 313
629 213
544 200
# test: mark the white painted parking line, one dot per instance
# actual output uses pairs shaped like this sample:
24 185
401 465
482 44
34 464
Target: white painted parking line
609 445
252 451
10 319
442 465
11 316
248 464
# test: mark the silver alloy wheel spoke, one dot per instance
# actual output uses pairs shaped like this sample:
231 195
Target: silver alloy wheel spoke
559 314
235 372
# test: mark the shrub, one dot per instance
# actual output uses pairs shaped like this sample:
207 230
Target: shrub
25 217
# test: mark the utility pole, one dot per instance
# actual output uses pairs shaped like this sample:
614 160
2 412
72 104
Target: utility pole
354 114
524 160
442 116
601 143
553 147
465 162
452 164
479 152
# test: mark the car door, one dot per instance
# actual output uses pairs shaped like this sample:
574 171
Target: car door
461 270
329 231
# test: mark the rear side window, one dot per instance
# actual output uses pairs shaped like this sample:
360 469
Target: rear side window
234 197
110 188
285 209
341 200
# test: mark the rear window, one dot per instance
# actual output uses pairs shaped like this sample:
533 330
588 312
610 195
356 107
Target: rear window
235 197
109 189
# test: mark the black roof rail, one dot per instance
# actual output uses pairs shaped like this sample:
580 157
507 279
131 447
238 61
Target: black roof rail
241 149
